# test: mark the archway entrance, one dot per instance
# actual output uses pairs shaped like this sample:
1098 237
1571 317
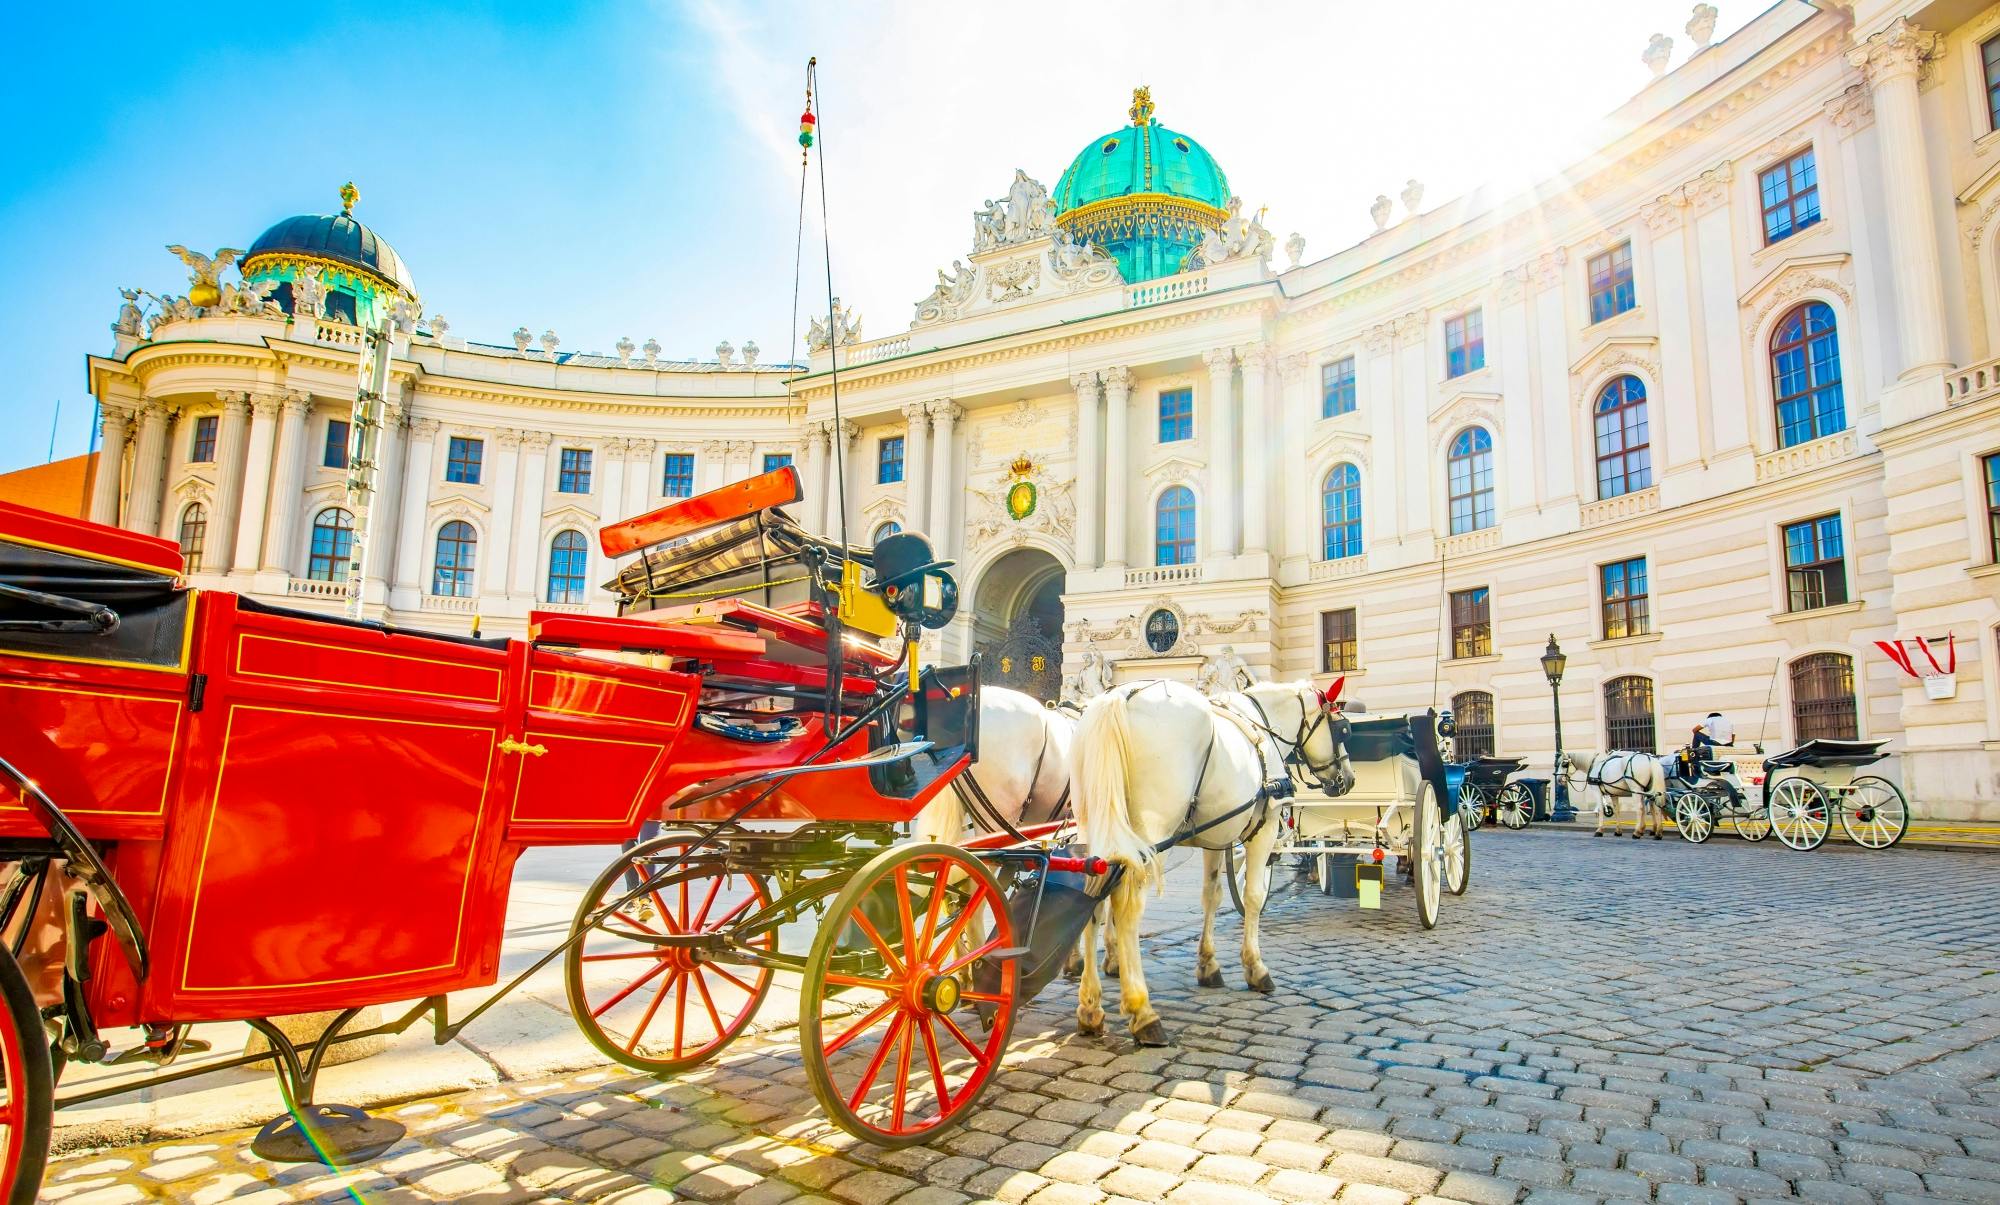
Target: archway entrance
1017 618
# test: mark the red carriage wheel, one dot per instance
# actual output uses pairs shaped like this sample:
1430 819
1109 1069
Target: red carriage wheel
27 1088
909 994
643 1000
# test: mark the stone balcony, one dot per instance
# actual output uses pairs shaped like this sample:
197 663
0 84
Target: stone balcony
448 604
1334 570
1625 506
1800 458
1973 383
1163 575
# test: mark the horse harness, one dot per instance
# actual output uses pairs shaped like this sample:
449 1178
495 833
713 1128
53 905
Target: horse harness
1279 788
973 796
1296 761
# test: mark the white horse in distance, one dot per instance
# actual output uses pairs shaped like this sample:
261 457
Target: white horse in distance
1625 775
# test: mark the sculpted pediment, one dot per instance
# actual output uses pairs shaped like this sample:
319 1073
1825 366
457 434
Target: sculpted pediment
569 513
1176 470
1465 407
1630 353
1339 445
1793 278
1018 256
464 503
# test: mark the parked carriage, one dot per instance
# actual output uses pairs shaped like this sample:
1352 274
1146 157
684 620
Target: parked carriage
1485 794
1716 793
1399 804
217 809
1807 786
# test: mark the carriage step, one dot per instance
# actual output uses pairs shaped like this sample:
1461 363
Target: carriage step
336 1135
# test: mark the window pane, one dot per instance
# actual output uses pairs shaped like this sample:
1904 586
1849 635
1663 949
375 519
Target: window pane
1174 542
569 559
1628 715
463 460
1337 387
889 460
677 475
332 543
1823 702
1340 507
1176 415
574 476
1338 653
336 444
1472 720
202 451
451 574
773 461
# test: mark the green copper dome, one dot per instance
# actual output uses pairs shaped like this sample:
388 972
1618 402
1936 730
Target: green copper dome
1144 193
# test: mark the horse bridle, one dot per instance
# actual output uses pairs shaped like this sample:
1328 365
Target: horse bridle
1297 758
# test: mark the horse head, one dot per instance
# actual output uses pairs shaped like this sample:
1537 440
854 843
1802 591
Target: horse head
1308 723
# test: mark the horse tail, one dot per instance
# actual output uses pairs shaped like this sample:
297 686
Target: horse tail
1102 755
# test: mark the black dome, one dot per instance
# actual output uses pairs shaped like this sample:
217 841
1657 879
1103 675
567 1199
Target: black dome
338 238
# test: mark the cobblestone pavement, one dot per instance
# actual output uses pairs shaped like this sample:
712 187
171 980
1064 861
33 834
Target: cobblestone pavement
1597 1019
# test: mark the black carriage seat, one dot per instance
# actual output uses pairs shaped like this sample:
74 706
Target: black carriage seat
246 603
1717 767
146 610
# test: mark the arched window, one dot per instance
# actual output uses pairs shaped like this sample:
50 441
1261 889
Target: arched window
1173 525
1624 453
1628 715
1472 719
194 534
1823 698
332 542
1469 467
887 529
1805 375
569 560
451 572
1340 512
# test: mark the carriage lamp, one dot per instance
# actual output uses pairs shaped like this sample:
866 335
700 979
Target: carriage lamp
1553 663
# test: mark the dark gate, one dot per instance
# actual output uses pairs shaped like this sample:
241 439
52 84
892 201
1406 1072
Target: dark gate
1024 660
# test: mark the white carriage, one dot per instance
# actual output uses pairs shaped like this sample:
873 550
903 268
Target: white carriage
1398 807
1804 788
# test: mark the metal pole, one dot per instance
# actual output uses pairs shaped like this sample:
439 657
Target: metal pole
1559 808
364 427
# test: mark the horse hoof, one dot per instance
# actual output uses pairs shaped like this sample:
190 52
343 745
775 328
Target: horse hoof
1598 833
1263 983
1636 836
1152 1033
1111 972
1212 979
1091 1031
1659 836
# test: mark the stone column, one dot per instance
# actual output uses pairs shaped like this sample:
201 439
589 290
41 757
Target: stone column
840 441
1296 483
387 520
711 470
945 487
113 425
810 461
1414 371
1890 61
1218 524
1673 421
420 471
1089 469
281 538
498 547
916 467
1256 475
149 467
534 473
253 517
219 554
642 476
1117 464
1519 447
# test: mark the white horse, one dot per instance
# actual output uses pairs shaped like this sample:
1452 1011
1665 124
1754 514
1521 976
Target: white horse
1023 767
1159 764
1622 775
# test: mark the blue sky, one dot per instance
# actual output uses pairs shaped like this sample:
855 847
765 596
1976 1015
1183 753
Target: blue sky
628 169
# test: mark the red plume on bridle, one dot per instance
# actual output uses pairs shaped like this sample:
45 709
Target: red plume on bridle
1330 697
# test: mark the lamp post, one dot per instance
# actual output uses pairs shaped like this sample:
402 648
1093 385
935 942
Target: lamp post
1553 662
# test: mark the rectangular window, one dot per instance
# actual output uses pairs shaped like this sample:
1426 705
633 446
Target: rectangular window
1464 344
773 461
202 449
1991 466
1471 623
1611 290
889 460
677 477
463 458
1176 415
1622 598
1339 653
1789 194
336 444
1989 53
1336 387
574 476
1815 565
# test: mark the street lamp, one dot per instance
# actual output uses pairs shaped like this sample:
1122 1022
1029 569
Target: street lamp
1553 662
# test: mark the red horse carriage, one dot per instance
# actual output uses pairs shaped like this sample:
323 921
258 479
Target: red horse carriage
217 809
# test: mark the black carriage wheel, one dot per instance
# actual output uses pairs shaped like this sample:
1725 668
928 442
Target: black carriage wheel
27 1112
621 984
1516 807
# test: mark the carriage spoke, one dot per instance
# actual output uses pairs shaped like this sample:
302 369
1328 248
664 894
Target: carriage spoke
719 969
875 1064
708 901
986 997
640 1030
708 1001
937 1065
621 957
880 985
631 987
937 904
862 1026
910 948
680 1014
881 946
901 1094
635 922
979 1056
967 959
958 924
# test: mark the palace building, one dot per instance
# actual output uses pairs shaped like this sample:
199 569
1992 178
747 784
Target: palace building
1717 409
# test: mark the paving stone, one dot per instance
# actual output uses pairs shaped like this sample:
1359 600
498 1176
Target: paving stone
1481 1190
